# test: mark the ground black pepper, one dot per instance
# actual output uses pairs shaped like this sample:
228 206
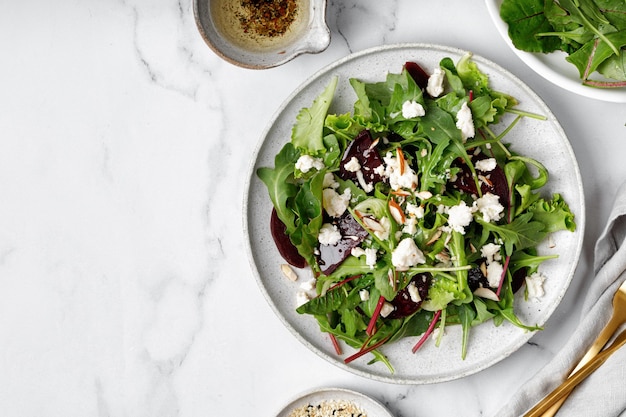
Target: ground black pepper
269 18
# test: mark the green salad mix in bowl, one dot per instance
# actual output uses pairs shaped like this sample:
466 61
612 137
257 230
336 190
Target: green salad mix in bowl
591 32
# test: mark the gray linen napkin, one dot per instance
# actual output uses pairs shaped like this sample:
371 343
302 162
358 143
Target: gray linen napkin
602 394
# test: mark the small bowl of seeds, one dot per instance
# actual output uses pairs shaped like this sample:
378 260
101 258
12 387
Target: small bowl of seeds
334 402
260 34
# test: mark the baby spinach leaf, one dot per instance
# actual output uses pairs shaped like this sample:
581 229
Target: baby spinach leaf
526 18
589 31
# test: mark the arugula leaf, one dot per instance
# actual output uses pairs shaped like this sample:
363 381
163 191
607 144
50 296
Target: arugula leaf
522 233
323 304
521 259
482 312
467 316
503 309
452 76
433 166
439 125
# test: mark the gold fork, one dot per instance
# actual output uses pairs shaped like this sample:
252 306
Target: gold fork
570 383
617 319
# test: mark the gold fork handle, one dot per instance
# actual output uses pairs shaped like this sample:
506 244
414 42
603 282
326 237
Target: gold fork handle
596 347
569 384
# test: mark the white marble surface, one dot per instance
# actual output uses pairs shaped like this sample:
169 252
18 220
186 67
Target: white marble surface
124 144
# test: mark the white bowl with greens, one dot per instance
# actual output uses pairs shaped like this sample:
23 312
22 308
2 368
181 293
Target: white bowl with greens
559 59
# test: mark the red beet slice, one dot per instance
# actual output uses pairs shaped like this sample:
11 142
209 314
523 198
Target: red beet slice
404 305
363 148
286 249
496 184
417 73
352 234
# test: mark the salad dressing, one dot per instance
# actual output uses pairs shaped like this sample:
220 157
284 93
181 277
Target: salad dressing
260 25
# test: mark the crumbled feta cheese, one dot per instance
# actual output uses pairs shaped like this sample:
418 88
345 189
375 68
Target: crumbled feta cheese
406 255
334 203
329 181
413 292
459 217
415 210
329 234
364 294
352 165
370 257
465 122
494 273
397 180
412 109
306 162
491 252
486 165
489 206
435 83
302 298
410 225
534 284
380 170
387 309
308 285
357 252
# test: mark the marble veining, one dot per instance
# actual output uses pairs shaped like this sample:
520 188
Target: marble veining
363 24
124 148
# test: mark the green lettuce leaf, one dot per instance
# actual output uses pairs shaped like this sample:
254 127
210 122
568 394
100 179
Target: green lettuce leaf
307 132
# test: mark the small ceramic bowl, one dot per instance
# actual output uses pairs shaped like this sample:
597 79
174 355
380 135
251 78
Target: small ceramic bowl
226 27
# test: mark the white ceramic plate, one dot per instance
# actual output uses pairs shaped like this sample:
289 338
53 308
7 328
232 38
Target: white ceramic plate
368 405
543 140
553 67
